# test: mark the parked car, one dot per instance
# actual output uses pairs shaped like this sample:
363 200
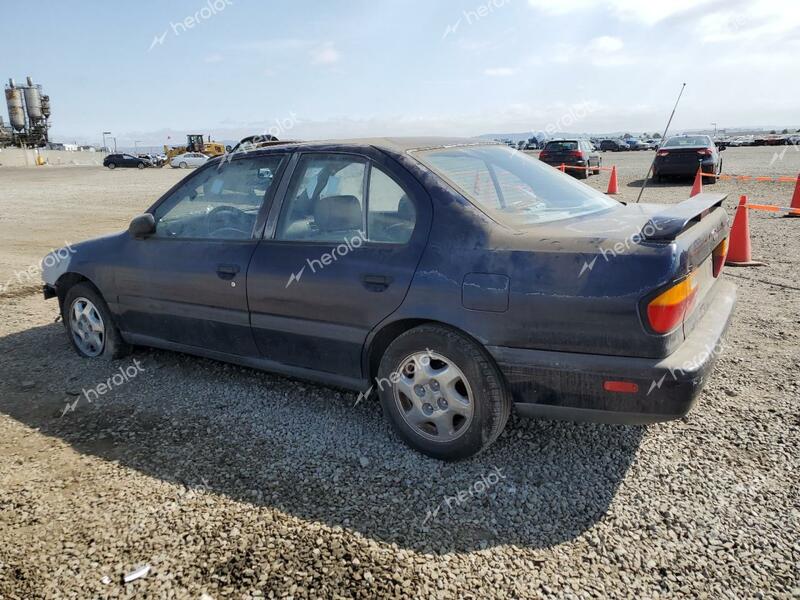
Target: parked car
112 161
636 145
652 143
188 159
573 153
613 146
682 155
437 273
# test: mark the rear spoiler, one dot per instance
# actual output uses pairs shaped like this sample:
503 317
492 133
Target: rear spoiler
668 223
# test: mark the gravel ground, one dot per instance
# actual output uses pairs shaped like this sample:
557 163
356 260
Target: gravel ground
233 483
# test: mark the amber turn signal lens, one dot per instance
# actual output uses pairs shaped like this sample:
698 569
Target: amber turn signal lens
719 255
667 310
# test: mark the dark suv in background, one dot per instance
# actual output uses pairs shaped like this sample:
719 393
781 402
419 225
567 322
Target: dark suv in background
681 156
112 161
613 146
573 153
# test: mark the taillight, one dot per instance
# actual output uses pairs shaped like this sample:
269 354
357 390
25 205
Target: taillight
719 255
705 152
662 153
542 155
576 154
668 309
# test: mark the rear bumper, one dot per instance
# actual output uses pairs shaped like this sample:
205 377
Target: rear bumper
565 385
684 168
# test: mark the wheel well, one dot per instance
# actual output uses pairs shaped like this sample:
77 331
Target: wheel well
385 337
68 280
389 333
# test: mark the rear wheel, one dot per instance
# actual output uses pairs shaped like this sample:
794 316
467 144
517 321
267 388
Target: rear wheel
183 165
140 166
89 324
442 392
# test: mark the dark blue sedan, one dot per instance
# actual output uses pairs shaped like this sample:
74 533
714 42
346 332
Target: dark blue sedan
452 277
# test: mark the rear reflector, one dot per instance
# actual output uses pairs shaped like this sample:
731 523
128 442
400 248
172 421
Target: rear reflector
719 255
667 310
624 387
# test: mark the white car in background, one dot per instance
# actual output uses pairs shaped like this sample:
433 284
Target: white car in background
188 159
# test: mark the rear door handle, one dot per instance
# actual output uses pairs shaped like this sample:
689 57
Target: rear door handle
376 283
227 271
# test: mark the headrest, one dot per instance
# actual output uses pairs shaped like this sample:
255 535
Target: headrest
338 213
405 209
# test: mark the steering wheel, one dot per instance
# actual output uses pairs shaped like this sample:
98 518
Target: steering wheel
226 216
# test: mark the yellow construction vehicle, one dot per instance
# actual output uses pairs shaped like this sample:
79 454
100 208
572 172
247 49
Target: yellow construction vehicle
195 143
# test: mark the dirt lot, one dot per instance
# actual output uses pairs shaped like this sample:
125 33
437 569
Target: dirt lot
233 483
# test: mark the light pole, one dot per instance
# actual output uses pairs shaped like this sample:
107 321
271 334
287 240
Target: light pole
115 144
105 133
715 129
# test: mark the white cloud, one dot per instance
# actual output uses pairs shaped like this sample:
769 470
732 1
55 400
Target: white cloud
641 11
325 55
606 43
500 72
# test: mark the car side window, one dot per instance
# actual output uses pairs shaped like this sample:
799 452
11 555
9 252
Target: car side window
325 200
391 215
221 202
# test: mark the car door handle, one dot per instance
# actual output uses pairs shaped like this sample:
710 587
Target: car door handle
227 271
376 283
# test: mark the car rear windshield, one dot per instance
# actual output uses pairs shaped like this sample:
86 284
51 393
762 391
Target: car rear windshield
512 186
689 141
562 146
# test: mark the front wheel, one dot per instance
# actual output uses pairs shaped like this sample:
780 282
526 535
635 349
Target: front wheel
112 166
442 392
140 166
183 165
89 325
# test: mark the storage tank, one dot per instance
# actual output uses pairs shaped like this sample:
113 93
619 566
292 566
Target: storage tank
16 113
33 101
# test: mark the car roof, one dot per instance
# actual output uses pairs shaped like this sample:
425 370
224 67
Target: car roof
395 144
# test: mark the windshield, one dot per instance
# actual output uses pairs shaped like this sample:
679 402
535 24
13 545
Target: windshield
562 146
688 141
514 187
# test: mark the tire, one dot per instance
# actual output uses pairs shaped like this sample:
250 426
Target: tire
84 295
475 378
140 166
183 165
112 166
582 174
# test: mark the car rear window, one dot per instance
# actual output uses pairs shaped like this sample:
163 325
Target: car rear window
512 186
562 146
688 141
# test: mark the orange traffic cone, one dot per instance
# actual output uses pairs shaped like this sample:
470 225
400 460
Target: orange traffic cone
613 187
795 198
697 188
739 254
563 168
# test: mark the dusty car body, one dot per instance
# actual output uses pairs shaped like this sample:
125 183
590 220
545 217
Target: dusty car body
451 276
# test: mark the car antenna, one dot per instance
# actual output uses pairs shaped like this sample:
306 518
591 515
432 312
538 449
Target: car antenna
663 139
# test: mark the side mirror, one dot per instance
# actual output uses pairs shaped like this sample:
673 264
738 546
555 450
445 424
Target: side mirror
721 148
228 148
142 226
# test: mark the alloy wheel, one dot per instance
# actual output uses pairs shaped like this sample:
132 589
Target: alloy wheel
87 327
